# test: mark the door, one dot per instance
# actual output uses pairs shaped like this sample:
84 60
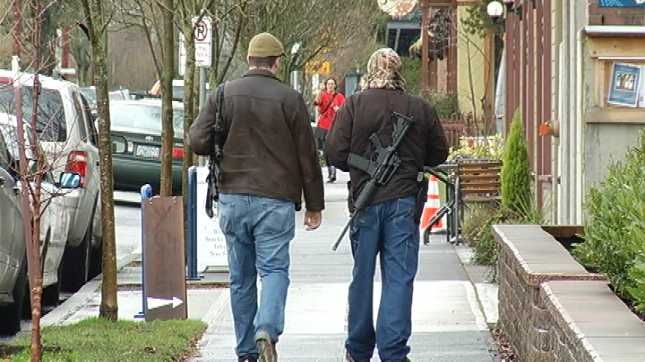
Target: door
12 244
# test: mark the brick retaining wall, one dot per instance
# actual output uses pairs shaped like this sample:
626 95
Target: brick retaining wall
535 272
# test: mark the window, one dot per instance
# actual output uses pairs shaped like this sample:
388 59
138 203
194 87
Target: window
80 117
93 132
4 155
145 118
10 138
51 125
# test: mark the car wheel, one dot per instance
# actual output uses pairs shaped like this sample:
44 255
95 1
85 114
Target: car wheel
96 266
11 314
51 294
76 263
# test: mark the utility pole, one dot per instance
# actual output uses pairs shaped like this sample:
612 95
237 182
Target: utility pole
425 64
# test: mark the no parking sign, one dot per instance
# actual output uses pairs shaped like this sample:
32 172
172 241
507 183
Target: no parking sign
203 35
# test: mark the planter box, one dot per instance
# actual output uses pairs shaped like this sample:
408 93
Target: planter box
528 257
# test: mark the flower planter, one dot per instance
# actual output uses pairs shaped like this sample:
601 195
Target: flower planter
552 309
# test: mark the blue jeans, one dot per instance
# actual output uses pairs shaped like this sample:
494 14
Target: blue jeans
386 229
258 231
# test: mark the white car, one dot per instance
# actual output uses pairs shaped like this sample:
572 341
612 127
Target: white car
67 135
57 208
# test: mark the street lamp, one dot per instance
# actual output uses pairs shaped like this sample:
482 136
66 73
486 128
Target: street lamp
495 10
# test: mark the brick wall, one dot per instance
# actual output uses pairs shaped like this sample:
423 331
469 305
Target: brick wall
528 257
615 16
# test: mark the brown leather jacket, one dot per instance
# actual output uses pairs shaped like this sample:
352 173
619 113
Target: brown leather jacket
369 112
270 149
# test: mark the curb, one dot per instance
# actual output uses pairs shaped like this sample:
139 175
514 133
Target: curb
81 298
486 293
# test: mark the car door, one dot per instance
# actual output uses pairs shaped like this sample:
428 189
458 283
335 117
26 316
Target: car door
12 244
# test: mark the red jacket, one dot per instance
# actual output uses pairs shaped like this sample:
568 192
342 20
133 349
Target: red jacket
327 103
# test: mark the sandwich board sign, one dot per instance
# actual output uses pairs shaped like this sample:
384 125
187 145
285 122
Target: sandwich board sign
211 244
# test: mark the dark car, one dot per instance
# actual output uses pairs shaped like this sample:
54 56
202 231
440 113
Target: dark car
136 144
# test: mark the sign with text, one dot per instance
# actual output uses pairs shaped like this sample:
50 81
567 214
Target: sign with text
211 244
621 3
203 35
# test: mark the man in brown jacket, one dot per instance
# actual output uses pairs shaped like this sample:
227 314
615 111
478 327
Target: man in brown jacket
388 225
269 161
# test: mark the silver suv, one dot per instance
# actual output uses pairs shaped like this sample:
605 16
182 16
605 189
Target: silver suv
56 211
68 137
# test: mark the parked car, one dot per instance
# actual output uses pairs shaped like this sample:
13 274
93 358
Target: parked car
136 144
68 137
57 210
177 90
90 96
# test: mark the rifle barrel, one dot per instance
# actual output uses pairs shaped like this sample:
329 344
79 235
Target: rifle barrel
342 234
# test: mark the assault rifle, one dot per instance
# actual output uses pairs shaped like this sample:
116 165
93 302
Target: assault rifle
381 167
214 171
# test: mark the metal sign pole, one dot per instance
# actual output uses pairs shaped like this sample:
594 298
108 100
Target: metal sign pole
146 194
202 87
192 272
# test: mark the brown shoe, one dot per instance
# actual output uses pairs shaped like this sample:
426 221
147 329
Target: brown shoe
266 349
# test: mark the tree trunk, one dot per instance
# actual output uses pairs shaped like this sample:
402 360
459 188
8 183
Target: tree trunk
167 134
33 253
94 12
189 113
109 307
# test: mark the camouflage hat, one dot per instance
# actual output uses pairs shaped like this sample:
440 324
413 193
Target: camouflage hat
384 70
265 45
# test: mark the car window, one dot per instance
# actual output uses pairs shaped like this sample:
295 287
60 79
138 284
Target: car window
94 137
10 137
51 124
145 117
89 94
4 155
80 116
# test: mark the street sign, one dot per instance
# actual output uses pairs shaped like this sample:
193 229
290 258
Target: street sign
164 267
211 244
203 35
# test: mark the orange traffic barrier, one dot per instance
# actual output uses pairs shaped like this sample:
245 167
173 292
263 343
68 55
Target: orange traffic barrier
431 207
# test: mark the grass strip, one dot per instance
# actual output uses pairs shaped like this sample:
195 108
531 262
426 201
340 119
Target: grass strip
97 339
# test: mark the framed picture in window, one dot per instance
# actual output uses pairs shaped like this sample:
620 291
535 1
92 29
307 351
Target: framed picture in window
625 85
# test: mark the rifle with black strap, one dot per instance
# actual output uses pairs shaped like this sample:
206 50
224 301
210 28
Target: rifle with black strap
381 167
215 158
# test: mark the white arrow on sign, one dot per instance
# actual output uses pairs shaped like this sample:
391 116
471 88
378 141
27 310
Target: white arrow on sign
154 303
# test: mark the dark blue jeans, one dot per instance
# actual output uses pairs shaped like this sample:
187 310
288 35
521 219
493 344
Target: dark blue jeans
258 231
387 230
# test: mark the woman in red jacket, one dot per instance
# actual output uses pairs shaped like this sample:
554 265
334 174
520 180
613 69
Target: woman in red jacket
328 103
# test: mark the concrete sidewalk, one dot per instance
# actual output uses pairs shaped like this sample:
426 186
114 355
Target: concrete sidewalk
447 321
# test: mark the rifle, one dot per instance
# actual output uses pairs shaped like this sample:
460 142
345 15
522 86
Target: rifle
214 170
381 168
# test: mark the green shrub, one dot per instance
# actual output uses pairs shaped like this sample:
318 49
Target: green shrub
445 104
615 226
516 178
411 72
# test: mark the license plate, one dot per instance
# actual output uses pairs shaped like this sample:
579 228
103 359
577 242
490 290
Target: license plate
150 152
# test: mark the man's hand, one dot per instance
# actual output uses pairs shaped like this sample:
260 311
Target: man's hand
312 220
